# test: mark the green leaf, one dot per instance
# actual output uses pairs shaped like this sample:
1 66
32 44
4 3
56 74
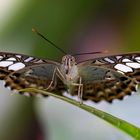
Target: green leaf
126 127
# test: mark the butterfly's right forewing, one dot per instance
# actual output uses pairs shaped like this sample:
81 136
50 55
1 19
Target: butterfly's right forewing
110 77
128 64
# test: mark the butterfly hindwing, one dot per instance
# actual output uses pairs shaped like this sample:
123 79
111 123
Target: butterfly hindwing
37 76
104 84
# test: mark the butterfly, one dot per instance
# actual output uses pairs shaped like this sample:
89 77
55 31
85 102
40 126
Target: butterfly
104 78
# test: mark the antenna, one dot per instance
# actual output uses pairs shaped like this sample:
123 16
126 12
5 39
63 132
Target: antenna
61 50
106 51
38 33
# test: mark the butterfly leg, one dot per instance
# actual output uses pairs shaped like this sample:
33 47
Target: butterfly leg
80 90
52 81
79 85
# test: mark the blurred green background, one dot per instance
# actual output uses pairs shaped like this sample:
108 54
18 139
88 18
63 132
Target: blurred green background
75 26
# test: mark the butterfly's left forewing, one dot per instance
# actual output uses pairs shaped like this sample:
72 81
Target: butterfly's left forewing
10 62
22 71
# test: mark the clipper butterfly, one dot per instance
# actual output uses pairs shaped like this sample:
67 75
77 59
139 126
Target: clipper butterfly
104 78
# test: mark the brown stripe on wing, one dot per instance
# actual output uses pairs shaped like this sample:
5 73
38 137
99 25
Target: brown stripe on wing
107 90
135 74
16 82
4 72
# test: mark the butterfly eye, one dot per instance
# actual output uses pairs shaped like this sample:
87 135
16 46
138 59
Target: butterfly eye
72 59
63 59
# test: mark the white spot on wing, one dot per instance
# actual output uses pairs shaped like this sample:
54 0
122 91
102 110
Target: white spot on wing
16 66
19 56
108 60
98 62
123 68
118 57
1 57
137 58
133 65
12 59
126 60
5 63
39 61
28 59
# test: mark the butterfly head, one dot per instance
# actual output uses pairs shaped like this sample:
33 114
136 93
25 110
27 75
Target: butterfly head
68 61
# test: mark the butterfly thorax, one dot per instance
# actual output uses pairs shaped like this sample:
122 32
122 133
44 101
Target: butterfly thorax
69 68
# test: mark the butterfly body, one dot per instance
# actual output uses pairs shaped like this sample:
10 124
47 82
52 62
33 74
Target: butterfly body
104 78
